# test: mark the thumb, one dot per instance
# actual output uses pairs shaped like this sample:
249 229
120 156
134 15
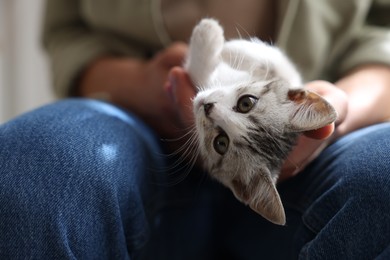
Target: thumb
182 92
174 55
322 133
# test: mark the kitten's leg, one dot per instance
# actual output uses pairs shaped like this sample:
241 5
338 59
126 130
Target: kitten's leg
204 54
261 60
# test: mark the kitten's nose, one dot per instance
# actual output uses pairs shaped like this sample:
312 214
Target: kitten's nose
207 108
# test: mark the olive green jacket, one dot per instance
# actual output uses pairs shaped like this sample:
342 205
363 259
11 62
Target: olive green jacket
324 38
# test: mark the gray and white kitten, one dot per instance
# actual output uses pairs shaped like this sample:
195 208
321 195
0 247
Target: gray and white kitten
249 110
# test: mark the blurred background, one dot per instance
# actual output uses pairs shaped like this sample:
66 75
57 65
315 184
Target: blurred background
24 73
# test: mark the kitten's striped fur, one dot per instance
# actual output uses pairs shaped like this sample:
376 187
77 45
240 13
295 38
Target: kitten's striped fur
249 111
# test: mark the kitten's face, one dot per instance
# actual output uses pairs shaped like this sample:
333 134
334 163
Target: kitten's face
246 131
226 116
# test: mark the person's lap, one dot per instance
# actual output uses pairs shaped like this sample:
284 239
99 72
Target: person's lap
80 176
72 178
345 198
338 207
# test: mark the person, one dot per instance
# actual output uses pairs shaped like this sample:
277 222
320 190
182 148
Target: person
87 178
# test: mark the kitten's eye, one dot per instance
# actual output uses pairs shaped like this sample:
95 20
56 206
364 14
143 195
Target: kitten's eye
246 103
221 143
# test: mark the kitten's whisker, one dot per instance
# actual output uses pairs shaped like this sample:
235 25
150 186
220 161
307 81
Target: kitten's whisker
186 168
183 148
245 31
181 158
177 151
235 60
189 154
238 33
232 59
172 169
240 61
186 149
201 87
187 131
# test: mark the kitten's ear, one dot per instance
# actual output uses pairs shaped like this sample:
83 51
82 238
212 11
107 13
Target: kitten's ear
261 195
311 111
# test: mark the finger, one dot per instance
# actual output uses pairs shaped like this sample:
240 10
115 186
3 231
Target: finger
182 91
306 150
321 87
321 133
335 96
174 55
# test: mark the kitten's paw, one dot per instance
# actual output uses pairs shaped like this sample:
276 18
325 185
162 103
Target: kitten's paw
204 55
208 37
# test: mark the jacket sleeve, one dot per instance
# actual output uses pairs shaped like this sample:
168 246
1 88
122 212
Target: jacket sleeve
371 42
71 44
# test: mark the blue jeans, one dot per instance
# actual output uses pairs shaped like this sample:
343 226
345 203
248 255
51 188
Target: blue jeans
81 179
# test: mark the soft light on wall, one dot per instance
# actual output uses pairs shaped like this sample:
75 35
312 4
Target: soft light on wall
24 76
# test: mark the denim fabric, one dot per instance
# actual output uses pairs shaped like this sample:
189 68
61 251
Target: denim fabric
72 182
344 196
81 179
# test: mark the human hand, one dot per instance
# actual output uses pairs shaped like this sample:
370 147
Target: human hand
158 109
137 85
311 143
181 91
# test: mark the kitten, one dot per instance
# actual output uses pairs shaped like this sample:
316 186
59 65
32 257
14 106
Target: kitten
249 111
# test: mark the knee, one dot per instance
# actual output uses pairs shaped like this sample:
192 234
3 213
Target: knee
89 140
357 200
369 184
356 173
366 168
75 160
